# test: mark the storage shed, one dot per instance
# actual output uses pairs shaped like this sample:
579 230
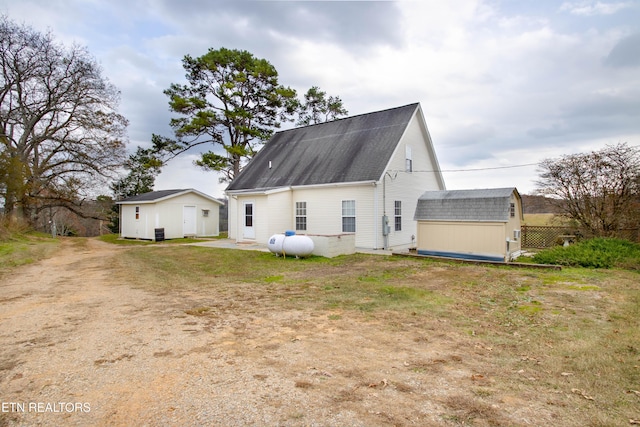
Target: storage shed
470 224
169 214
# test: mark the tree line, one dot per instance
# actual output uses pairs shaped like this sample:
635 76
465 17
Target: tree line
62 138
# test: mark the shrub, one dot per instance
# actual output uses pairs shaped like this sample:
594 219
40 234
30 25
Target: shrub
594 253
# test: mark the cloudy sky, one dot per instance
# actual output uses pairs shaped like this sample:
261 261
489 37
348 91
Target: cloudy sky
503 83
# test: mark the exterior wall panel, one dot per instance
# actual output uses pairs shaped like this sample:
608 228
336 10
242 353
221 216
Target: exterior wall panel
168 214
406 186
324 210
481 238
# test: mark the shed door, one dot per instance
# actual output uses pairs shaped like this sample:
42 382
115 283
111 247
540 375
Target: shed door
189 220
249 231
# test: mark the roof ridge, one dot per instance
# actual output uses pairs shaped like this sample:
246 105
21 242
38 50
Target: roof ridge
349 117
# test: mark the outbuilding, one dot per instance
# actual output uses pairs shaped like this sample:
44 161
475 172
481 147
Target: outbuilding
169 214
470 224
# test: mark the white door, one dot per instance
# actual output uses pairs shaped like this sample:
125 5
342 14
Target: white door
249 231
189 220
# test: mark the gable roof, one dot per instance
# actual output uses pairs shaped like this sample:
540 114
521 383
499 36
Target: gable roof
353 149
491 204
158 196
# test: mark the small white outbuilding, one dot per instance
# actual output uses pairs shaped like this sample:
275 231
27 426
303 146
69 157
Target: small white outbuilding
169 214
470 224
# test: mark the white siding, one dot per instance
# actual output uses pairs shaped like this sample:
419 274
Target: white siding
168 214
407 187
232 218
324 210
135 228
280 213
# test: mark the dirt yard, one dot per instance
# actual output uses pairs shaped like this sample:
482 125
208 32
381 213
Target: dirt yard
79 345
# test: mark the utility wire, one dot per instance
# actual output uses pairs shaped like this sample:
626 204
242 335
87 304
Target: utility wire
471 170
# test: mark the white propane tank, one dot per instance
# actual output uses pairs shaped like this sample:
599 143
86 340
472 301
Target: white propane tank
275 243
298 246
290 244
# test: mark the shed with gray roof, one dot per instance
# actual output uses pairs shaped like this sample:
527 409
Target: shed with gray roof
472 224
169 214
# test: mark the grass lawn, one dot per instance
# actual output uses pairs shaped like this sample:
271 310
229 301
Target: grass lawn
563 343
572 336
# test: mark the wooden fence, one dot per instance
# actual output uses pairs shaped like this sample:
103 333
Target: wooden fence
538 236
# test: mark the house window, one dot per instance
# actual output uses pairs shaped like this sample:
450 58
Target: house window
137 212
512 210
398 215
205 212
408 167
348 216
301 216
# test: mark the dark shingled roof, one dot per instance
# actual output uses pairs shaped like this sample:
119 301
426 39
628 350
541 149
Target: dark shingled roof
153 196
491 204
353 149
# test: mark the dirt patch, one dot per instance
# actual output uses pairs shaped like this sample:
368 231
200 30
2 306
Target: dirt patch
81 345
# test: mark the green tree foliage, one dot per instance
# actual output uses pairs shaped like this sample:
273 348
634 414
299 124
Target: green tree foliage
143 166
60 133
318 108
232 100
600 190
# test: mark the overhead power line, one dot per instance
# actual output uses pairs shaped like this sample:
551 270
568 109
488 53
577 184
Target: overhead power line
473 169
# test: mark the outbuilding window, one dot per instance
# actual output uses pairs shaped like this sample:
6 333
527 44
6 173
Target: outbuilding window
301 216
205 212
348 216
512 210
137 212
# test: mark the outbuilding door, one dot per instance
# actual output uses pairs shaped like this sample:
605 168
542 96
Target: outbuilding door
249 231
189 220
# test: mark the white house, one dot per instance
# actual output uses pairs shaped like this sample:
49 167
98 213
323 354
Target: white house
359 176
470 224
169 214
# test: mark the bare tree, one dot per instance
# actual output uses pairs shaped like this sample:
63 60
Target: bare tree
599 190
60 133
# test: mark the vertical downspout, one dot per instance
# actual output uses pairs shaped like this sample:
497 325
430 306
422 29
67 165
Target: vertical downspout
376 210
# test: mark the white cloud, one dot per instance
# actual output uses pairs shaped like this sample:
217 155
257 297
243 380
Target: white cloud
590 8
500 82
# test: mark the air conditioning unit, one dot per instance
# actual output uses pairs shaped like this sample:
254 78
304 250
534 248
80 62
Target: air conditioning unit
516 234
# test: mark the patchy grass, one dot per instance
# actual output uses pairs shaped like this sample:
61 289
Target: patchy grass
570 335
117 240
566 341
24 248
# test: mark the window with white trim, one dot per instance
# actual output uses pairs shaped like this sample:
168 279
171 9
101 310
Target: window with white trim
408 159
137 212
348 216
398 215
301 216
